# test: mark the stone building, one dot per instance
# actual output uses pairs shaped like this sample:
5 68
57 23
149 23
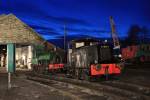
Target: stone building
16 34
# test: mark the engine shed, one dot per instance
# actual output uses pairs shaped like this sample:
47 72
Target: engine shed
17 43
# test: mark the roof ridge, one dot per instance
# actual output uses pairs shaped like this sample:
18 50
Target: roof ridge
3 16
33 31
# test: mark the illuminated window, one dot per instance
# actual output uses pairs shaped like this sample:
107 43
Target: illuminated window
79 44
105 46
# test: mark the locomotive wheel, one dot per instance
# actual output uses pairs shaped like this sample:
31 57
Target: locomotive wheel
71 73
85 75
78 73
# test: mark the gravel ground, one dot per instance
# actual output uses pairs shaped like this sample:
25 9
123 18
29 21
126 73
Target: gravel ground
23 89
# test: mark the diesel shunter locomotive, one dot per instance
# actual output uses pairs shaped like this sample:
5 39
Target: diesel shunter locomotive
88 58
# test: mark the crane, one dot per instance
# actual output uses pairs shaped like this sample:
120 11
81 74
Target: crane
114 34
65 33
115 38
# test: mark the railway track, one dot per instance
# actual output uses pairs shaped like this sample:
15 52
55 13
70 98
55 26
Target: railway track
76 91
144 71
136 76
113 90
137 81
126 85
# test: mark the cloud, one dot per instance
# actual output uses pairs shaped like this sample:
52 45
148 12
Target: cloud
48 32
44 30
67 20
49 37
85 30
42 27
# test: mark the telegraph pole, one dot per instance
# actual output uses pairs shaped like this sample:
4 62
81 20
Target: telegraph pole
65 33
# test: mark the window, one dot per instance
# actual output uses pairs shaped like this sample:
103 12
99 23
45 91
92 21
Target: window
79 44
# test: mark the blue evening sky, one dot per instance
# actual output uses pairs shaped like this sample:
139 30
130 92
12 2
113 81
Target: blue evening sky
83 18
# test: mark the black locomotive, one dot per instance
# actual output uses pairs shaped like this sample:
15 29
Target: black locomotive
89 58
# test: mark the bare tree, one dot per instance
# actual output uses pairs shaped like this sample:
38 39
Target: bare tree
133 33
144 32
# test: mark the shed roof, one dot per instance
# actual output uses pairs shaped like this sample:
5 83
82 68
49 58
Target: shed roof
13 30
